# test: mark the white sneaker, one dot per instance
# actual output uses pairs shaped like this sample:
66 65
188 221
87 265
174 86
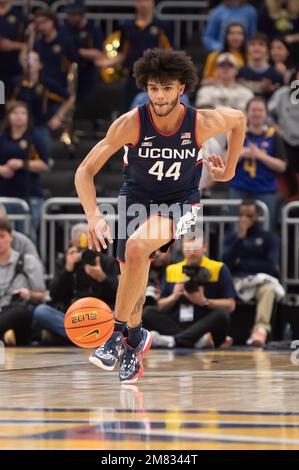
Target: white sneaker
162 341
258 338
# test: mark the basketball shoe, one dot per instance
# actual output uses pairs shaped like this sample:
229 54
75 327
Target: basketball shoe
131 367
107 355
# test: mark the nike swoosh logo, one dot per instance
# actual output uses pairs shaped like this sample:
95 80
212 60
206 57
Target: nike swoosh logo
148 138
93 332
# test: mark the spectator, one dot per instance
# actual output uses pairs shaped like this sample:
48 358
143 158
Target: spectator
250 252
23 157
21 287
93 276
258 75
234 42
284 110
280 18
262 158
230 11
226 92
88 42
145 32
20 242
48 102
197 319
56 51
280 56
12 28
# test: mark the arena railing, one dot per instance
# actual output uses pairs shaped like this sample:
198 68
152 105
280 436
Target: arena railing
188 15
24 215
51 222
25 5
290 244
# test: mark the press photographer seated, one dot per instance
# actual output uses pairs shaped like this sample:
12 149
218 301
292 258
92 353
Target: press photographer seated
21 286
79 273
196 300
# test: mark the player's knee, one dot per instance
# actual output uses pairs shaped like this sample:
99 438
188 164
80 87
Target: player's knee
136 251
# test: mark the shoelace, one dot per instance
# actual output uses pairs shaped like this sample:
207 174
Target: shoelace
110 346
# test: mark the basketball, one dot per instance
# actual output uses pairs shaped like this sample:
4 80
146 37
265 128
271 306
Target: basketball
89 322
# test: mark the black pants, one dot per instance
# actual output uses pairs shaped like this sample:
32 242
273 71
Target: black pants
187 334
292 168
17 318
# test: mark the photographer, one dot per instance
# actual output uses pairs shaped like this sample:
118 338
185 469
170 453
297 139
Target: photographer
81 273
194 309
21 286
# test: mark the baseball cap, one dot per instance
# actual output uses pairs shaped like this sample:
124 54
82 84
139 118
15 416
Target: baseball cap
226 57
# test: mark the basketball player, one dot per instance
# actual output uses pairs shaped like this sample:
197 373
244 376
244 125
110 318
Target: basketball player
163 164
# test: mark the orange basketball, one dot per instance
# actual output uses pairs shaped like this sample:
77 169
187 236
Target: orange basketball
89 322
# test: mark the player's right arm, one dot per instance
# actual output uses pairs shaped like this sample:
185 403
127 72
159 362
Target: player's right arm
123 131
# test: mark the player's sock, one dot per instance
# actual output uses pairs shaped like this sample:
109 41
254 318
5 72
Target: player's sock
119 326
135 336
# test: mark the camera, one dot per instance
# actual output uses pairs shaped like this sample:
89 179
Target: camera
198 277
89 257
17 299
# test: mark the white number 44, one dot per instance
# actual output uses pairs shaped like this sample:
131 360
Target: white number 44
158 170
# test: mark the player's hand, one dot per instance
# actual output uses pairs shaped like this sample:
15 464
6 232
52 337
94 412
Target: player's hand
98 233
73 257
215 167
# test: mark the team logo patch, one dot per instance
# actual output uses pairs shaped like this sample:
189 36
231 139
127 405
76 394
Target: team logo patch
154 31
39 89
12 19
186 142
56 48
23 144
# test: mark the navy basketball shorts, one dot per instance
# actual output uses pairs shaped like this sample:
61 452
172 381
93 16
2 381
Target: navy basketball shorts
185 214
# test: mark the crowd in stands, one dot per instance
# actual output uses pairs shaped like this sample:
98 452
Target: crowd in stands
53 67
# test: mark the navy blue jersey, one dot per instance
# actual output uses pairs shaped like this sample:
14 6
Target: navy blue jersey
12 26
136 39
163 167
24 183
56 57
44 98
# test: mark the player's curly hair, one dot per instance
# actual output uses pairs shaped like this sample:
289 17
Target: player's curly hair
162 65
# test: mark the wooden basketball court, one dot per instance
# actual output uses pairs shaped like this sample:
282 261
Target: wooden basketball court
53 398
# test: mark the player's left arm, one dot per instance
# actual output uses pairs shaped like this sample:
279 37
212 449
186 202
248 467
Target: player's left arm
220 121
